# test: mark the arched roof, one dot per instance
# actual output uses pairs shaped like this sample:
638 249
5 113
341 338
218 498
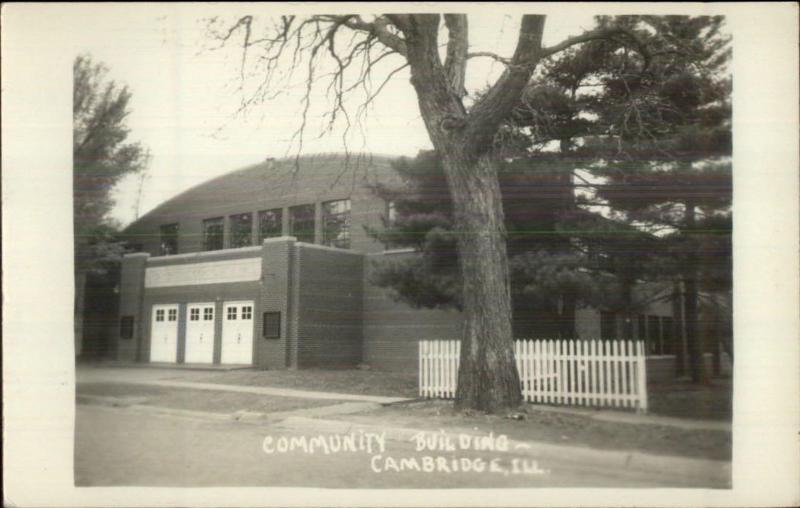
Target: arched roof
276 179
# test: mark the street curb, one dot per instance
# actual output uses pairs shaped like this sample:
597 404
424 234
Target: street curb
637 419
133 403
682 469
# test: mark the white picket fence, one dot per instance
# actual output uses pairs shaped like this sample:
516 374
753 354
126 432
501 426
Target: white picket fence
571 372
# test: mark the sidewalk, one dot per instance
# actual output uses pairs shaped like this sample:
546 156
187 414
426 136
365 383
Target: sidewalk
637 418
165 378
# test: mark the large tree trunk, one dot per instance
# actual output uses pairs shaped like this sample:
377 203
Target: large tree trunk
693 339
488 377
79 305
677 330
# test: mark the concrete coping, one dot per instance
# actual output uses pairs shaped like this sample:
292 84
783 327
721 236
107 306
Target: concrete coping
276 239
305 245
389 252
136 255
207 254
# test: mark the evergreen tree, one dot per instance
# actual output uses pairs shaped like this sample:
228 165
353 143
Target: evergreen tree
609 122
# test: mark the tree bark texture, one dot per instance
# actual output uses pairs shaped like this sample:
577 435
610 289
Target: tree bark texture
693 339
80 292
677 330
488 377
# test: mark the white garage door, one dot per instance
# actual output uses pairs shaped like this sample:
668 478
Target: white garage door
164 334
200 333
237 333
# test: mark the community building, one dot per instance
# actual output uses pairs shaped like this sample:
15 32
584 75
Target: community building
270 266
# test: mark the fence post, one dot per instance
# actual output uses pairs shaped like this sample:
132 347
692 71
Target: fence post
421 364
570 381
641 377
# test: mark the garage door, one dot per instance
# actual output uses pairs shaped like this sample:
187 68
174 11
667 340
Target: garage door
200 333
164 334
237 333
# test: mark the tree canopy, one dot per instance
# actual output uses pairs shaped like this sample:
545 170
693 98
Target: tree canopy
607 200
101 153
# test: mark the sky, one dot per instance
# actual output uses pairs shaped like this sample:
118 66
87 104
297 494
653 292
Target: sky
184 95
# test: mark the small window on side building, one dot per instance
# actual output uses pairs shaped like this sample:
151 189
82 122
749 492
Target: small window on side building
213 232
301 223
336 223
126 327
654 335
271 325
169 239
241 230
270 224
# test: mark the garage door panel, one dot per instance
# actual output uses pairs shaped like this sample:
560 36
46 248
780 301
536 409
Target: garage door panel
164 334
237 333
200 333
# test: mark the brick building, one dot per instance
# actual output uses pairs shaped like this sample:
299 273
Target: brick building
269 266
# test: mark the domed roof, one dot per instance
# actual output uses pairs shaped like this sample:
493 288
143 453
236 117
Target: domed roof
296 180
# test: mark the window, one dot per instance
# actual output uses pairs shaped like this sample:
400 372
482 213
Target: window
213 231
391 212
169 239
160 315
642 326
126 327
627 328
231 313
608 326
666 333
271 325
270 224
194 314
301 223
654 334
336 223
241 230
208 314
172 315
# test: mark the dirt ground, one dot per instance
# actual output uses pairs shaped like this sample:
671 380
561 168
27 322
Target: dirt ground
200 400
363 382
713 401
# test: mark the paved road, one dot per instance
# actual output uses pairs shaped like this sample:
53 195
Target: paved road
121 447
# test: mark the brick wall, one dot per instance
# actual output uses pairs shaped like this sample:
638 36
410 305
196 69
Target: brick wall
329 315
131 294
392 329
275 295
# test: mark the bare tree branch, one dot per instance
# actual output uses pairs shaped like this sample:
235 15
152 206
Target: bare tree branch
379 29
489 112
489 54
455 64
599 34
